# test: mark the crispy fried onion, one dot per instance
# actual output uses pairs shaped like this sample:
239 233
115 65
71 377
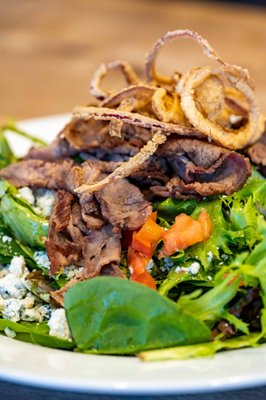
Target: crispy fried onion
125 68
230 138
132 165
152 74
167 108
142 93
132 98
214 103
115 126
109 114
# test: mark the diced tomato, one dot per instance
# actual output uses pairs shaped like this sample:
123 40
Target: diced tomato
183 233
147 238
206 223
153 216
146 279
138 263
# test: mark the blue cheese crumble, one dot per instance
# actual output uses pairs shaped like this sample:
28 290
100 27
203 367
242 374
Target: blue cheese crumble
58 324
42 200
17 303
41 258
193 269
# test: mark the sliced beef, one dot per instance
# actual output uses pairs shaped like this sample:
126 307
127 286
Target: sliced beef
123 205
102 252
100 248
112 270
257 153
77 220
38 173
91 139
83 135
71 242
91 212
201 169
57 150
62 250
153 172
62 210
51 175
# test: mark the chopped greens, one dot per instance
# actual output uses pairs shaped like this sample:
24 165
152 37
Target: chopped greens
197 287
27 226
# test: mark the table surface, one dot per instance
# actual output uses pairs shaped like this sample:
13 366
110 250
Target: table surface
12 391
49 49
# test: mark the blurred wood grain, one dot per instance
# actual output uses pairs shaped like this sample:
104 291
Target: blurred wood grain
49 49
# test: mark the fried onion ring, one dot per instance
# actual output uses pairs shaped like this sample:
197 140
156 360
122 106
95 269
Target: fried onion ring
125 68
143 93
115 126
152 74
109 114
210 96
167 107
232 139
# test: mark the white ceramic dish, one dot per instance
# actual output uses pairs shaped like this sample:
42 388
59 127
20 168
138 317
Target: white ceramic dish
39 366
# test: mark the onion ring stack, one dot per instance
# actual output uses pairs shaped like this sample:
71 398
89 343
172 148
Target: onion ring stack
214 103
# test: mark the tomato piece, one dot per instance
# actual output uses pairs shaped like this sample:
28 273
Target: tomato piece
146 239
145 279
145 247
183 233
206 223
138 263
153 216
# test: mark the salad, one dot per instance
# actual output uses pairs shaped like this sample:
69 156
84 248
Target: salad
140 230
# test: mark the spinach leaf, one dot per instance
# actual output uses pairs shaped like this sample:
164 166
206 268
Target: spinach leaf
10 247
37 333
51 341
114 316
27 226
23 327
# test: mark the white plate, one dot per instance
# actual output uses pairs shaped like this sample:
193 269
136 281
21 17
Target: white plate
39 366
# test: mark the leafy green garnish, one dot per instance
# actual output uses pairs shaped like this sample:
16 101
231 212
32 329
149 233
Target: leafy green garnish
115 316
202 349
27 226
37 333
168 209
211 305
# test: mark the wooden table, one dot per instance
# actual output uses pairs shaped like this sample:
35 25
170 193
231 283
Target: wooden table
49 49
